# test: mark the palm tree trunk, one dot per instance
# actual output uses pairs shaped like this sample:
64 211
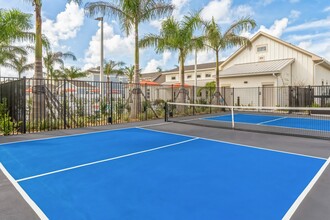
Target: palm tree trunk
136 93
38 107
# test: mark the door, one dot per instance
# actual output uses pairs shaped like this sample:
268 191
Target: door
268 95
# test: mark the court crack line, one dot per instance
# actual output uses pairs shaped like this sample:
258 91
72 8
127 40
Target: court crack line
105 160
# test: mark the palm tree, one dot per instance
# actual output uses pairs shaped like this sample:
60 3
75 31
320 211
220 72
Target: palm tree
53 58
39 98
131 13
14 25
210 87
218 40
72 73
129 73
8 53
20 65
177 36
113 67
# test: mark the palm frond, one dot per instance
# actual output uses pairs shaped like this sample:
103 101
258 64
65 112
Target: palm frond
242 24
155 10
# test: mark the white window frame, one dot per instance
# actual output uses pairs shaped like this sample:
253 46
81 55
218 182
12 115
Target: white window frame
262 46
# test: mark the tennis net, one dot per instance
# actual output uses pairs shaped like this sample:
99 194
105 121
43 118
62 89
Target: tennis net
296 121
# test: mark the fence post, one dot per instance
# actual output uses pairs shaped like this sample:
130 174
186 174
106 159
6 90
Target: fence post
194 99
24 106
259 97
146 102
111 106
233 97
64 105
172 90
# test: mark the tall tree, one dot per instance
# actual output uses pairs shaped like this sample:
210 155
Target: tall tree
113 67
20 65
73 73
14 25
218 41
131 13
8 53
177 36
129 73
38 108
53 58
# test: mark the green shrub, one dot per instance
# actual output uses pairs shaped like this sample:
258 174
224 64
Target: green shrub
6 124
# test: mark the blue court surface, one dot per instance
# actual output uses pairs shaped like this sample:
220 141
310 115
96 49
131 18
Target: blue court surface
137 173
277 121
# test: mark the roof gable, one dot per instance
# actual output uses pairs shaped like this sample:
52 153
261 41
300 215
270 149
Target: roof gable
314 57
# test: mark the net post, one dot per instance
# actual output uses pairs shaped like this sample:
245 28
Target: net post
166 112
232 118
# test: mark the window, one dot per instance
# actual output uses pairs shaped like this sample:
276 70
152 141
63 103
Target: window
189 77
199 76
207 75
148 94
261 49
173 78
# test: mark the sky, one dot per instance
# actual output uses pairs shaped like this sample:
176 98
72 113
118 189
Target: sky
304 23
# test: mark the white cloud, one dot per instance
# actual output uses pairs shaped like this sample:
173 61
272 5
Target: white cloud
116 47
178 6
265 2
308 37
153 63
327 9
177 13
223 12
156 23
277 28
321 48
66 25
322 23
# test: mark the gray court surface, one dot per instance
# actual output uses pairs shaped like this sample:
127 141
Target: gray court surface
315 206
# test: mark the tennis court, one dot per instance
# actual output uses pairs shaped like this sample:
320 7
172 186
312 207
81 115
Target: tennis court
295 121
276 121
145 173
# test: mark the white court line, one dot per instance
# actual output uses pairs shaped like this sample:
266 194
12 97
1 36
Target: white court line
216 116
302 196
25 196
151 125
241 145
277 119
105 160
63 136
265 125
80 134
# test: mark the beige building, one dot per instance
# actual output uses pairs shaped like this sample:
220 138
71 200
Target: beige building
268 62
273 62
205 73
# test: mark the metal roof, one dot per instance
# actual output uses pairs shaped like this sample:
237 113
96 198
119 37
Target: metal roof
192 67
257 68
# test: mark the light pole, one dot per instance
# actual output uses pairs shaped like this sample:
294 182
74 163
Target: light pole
102 54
